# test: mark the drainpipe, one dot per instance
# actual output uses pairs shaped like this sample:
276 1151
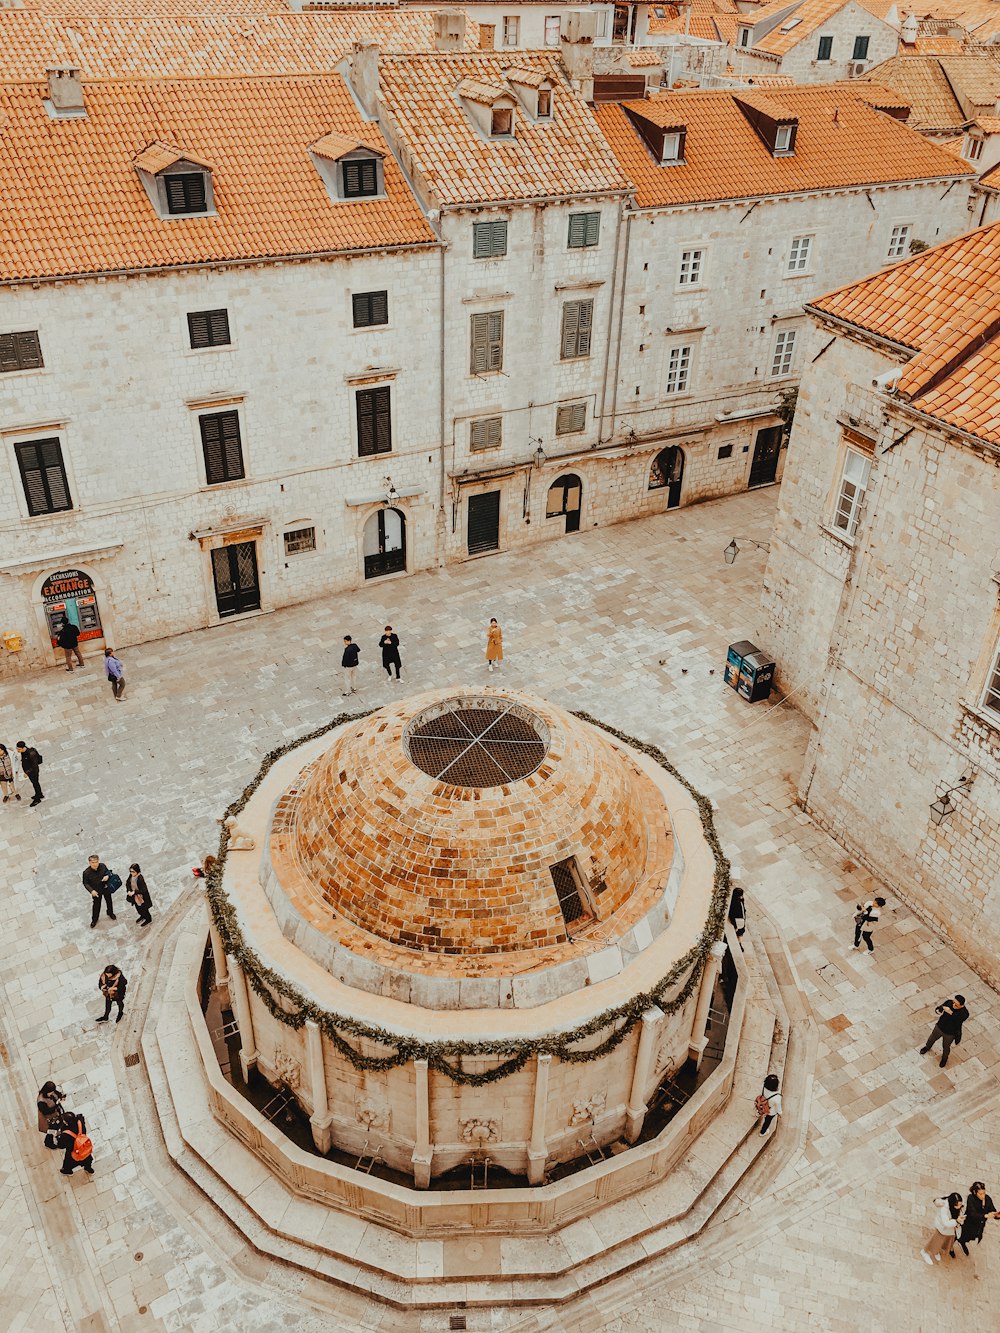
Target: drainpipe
621 321
442 526
611 321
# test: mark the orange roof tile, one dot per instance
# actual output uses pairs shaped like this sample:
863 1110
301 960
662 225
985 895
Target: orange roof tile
989 124
563 156
474 90
771 81
802 21
335 146
936 44
72 202
979 18
922 82
196 45
158 156
724 158
643 59
526 78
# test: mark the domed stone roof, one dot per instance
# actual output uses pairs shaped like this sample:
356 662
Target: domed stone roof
471 826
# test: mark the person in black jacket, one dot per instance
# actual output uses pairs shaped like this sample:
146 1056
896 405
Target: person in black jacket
389 643
49 1103
948 1027
350 664
68 640
73 1124
96 880
31 762
979 1207
112 985
138 895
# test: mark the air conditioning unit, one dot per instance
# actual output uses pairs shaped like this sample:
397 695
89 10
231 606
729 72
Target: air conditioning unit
855 69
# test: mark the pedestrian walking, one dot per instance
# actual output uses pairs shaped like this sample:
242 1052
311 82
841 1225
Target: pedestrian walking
389 643
138 895
865 920
947 1220
78 1150
97 880
31 763
494 644
349 662
768 1102
948 1028
738 912
7 776
114 669
979 1208
112 985
49 1103
68 639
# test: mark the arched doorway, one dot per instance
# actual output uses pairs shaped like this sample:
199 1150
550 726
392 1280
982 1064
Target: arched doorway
667 472
566 498
384 543
69 594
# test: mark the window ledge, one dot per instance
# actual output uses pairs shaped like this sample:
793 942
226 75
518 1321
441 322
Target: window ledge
209 487
477 297
840 537
584 285
28 370
980 714
800 273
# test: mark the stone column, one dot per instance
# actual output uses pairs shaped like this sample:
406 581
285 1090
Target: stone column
538 1149
244 1018
221 964
422 1154
635 1112
320 1119
696 1047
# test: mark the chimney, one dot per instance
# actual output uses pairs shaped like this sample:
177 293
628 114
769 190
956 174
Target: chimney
66 91
576 38
449 30
362 74
908 32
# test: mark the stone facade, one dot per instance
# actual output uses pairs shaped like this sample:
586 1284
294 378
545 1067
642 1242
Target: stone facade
801 60
886 640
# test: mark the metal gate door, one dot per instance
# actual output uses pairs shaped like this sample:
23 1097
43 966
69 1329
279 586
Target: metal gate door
764 467
237 587
484 522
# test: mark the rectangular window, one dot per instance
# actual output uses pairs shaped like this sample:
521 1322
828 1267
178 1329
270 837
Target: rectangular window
208 328
861 48
486 342
991 695
899 241
300 540
43 476
602 23
584 230
370 308
577 325
975 149
223 447
489 240
853 483
691 262
571 419
744 36
552 30
825 51
511 30
485 434
798 255
783 139
374 421
544 107
502 122
20 351
566 880
360 179
784 353
678 370
186 192
672 147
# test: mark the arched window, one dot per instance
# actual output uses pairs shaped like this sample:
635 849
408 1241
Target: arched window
565 498
666 472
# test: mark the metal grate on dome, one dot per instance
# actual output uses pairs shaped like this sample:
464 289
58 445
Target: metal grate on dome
478 745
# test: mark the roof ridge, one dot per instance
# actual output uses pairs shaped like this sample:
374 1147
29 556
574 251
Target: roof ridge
942 355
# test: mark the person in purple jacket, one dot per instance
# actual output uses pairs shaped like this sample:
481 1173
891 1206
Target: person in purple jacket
114 669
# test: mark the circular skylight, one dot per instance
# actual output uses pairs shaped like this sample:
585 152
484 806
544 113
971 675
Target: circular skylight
477 742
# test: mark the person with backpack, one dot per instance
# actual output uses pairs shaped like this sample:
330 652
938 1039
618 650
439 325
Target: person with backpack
948 1028
114 669
767 1104
31 762
68 640
112 984
865 920
99 882
49 1103
948 1218
349 663
7 776
78 1150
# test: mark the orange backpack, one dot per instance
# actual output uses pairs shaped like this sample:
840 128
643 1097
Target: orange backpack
82 1146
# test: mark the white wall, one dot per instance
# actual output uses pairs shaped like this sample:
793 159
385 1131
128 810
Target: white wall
800 61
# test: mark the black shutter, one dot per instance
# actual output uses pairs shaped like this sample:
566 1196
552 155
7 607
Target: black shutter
44 476
220 438
370 308
20 351
208 328
186 192
360 178
374 421
483 525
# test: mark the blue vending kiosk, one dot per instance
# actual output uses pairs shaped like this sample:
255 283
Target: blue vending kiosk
734 661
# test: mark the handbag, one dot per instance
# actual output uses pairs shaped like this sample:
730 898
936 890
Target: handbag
114 882
761 1105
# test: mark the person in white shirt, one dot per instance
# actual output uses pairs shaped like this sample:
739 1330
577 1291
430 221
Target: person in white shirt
947 1220
865 920
768 1102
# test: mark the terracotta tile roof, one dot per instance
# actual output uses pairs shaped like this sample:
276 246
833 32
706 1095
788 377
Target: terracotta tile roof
158 156
803 21
526 78
153 45
564 156
335 146
474 90
991 177
643 59
134 9
709 20
724 158
989 124
71 200
979 18
771 81
924 85
944 306
936 44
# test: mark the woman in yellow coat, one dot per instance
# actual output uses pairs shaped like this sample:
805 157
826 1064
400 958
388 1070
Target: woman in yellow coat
494 644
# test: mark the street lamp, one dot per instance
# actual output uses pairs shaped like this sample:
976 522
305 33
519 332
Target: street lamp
732 550
943 808
391 494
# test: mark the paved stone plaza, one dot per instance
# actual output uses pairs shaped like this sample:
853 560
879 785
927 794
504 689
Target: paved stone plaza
628 623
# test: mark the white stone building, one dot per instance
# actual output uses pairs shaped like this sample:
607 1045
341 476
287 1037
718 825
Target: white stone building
815 41
881 602
748 205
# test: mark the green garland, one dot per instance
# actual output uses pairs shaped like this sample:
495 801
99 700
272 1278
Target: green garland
289 1006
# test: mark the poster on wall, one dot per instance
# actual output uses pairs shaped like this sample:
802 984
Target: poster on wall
69 595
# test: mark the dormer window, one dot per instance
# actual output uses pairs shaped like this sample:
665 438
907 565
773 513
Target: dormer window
533 89
351 169
744 36
783 139
665 142
544 104
773 124
178 184
673 147
974 148
502 122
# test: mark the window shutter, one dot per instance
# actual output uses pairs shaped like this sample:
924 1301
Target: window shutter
220 437
44 476
485 434
570 328
489 240
571 419
360 178
383 421
366 423
208 328
593 228
480 335
186 192
374 421
586 319
199 329
218 327
498 234
20 351
380 307
231 444
495 339
577 230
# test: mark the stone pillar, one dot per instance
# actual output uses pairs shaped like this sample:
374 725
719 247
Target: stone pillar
320 1120
696 1047
244 1018
538 1149
221 964
635 1112
422 1154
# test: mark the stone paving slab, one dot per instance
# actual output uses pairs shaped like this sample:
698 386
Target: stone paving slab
630 623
